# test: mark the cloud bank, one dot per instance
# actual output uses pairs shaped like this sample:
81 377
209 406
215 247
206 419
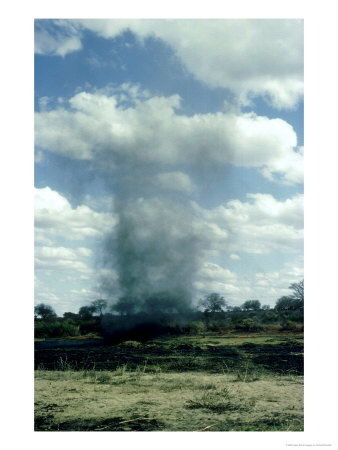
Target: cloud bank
247 56
151 131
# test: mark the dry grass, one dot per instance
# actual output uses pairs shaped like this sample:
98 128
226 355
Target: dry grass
138 401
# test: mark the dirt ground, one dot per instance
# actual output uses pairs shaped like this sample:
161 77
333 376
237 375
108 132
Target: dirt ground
137 401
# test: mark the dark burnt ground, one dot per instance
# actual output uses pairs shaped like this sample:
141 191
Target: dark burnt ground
284 358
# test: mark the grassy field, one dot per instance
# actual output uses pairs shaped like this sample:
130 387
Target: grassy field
235 382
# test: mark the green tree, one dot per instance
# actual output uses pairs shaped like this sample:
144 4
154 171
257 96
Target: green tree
234 308
44 312
86 312
251 305
265 307
99 305
293 302
213 303
70 315
287 304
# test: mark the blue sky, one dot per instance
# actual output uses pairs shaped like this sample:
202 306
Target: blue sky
193 131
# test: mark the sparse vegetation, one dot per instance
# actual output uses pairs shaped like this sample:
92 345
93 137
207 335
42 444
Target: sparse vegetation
232 381
56 328
161 315
140 401
248 324
220 369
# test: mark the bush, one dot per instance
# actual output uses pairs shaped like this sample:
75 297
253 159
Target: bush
44 329
215 327
196 327
270 317
296 318
90 325
289 325
248 325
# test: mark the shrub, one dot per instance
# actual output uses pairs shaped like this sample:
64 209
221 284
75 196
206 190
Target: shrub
89 326
55 329
212 326
270 317
248 325
289 325
296 318
196 327
219 401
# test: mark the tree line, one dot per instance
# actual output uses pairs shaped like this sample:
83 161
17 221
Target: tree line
295 301
213 312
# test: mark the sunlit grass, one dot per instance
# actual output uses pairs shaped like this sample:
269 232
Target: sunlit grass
136 400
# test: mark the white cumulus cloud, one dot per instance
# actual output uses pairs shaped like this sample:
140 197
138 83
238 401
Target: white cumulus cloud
265 286
98 128
61 258
261 225
54 216
250 57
